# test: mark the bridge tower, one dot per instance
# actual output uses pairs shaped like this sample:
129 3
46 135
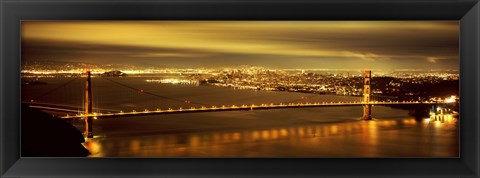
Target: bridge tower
88 107
367 108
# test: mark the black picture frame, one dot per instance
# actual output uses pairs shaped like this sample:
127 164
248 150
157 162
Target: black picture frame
14 11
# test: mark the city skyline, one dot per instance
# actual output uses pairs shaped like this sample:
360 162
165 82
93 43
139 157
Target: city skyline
376 45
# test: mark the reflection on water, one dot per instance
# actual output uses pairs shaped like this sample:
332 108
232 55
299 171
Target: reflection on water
378 138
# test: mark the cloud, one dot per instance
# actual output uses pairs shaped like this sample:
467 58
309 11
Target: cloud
366 56
397 42
167 54
432 59
435 59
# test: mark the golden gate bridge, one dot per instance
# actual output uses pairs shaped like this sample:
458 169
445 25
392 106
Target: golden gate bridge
229 108
88 115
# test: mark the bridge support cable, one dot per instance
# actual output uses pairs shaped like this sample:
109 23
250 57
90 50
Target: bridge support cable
66 107
153 94
54 89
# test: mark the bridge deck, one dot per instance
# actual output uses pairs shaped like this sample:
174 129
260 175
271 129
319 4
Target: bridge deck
230 108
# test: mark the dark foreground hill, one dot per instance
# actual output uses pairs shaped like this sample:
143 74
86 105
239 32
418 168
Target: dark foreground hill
43 135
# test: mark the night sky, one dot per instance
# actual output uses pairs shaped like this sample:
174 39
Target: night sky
377 45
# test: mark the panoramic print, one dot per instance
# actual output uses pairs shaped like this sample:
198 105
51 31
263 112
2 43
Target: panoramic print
240 89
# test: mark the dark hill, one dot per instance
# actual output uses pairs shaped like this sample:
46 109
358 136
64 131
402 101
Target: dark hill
46 136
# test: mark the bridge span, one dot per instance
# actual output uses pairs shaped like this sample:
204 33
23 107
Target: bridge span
224 108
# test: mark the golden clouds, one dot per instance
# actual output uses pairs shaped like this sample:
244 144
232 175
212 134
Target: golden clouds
364 40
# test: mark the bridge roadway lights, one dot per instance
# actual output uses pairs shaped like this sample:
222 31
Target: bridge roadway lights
250 107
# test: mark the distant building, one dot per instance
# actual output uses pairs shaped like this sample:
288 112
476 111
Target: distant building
33 82
115 73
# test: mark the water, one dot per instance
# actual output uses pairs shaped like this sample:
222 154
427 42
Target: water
306 132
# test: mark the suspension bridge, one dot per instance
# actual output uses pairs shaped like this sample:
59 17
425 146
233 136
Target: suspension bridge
228 108
88 115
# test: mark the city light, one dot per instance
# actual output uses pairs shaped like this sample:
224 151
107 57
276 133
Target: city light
173 81
452 99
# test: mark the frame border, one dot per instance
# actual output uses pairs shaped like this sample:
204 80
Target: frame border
12 12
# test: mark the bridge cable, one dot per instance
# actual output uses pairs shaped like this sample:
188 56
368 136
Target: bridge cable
153 94
55 89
